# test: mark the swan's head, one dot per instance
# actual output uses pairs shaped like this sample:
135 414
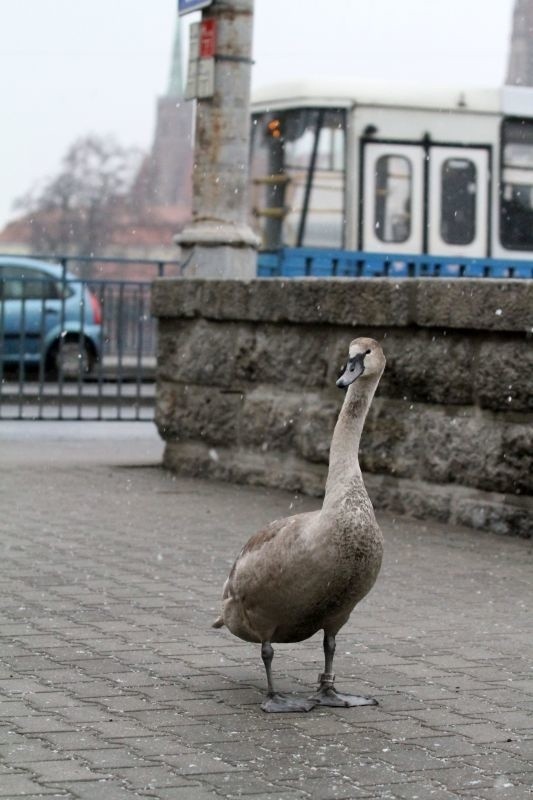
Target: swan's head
365 358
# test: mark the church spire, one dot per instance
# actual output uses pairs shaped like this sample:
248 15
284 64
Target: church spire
520 64
175 78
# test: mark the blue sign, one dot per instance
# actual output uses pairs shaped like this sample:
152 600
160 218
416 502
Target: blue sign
186 6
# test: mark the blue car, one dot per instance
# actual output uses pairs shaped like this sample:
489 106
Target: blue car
47 318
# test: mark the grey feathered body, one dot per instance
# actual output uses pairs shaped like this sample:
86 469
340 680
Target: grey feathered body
303 574
306 573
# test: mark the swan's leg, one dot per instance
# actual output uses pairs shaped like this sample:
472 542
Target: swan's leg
267 654
275 702
327 695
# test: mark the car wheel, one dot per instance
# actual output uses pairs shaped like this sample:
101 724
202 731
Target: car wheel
71 359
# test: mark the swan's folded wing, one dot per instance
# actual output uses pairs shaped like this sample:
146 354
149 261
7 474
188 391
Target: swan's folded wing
262 537
256 542
277 551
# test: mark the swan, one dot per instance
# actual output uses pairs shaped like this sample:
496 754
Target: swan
306 573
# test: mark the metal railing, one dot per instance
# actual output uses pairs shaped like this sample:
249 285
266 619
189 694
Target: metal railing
94 267
77 343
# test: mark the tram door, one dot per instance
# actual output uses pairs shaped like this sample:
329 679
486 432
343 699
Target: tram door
458 201
393 192
442 210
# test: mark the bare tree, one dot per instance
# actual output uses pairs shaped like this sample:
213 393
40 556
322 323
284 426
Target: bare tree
79 208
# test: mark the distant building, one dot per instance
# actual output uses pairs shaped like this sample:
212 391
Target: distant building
520 63
160 202
165 178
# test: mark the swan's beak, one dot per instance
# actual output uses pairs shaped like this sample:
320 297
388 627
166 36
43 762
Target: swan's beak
353 370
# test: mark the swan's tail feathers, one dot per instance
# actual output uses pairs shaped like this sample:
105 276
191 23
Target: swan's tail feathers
218 623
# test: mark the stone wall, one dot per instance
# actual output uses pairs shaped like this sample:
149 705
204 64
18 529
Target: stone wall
246 389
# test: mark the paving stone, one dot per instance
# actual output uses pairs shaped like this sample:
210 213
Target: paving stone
15 709
426 790
459 779
237 784
443 718
330 788
498 763
55 793
84 714
148 777
123 703
483 732
242 723
159 718
401 702
196 763
39 641
447 746
110 757
431 692
373 772
40 723
77 740
93 689
206 732
412 759
29 663
47 701
17 785
20 686
26 750
104 789
62 677
118 729
198 792
511 720
155 745
404 728
237 751
62 770
503 791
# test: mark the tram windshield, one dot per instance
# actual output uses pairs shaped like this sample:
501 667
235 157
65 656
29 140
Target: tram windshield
298 173
517 184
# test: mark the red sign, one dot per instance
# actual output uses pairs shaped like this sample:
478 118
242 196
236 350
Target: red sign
207 38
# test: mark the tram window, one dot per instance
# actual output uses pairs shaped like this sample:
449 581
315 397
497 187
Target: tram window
458 201
516 210
298 164
392 207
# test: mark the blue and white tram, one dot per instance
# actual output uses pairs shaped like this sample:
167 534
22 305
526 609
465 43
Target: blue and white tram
366 179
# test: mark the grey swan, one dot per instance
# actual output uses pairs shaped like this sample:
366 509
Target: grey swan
307 572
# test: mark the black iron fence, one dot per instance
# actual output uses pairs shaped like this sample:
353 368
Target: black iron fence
76 337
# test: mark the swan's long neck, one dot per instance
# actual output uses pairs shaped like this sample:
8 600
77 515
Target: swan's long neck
344 474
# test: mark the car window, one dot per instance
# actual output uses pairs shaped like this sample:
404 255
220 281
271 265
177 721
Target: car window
21 283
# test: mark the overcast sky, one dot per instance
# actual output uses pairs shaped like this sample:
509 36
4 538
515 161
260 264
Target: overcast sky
72 67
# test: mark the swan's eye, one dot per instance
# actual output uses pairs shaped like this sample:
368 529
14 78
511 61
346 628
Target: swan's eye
367 352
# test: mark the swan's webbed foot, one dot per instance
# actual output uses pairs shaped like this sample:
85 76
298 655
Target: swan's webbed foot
327 695
283 703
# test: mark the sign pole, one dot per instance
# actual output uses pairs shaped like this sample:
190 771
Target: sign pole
219 242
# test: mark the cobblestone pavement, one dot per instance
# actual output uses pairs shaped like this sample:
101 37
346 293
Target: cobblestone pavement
113 684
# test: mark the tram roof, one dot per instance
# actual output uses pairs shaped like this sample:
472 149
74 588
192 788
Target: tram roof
344 93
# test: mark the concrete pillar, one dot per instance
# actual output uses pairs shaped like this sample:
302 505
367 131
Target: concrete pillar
219 243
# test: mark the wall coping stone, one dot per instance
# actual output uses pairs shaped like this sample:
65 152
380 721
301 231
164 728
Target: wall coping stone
462 303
